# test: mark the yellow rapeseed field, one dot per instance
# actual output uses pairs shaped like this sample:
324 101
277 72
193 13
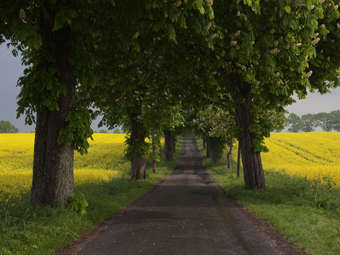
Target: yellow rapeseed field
103 162
313 155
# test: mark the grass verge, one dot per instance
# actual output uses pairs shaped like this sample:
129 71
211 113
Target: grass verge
306 212
43 230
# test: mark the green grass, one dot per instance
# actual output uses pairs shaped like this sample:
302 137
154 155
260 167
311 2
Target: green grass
43 230
306 212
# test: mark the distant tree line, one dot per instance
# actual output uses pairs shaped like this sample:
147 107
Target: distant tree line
7 127
309 122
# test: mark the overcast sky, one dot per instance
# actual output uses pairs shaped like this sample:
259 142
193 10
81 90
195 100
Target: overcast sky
11 69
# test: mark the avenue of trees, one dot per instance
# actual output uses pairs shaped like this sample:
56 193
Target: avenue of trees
152 65
309 122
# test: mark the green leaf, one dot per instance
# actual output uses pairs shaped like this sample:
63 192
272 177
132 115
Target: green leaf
202 10
288 8
211 13
29 121
199 3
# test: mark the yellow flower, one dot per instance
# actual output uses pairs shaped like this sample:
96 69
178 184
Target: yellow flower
103 162
312 155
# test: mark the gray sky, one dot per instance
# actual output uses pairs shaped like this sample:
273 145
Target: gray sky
11 69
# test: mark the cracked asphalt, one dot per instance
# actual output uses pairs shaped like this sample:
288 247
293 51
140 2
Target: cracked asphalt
187 214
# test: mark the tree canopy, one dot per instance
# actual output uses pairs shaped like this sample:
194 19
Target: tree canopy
7 127
308 122
142 62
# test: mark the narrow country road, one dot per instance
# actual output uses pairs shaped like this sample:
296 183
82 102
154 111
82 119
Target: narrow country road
187 214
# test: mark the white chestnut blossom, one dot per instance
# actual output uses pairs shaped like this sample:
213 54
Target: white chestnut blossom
213 36
233 43
316 40
208 26
22 14
135 36
309 74
274 51
177 4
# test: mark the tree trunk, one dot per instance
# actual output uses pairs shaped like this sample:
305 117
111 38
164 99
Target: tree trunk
229 153
208 148
214 158
137 161
169 146
160 149
204 145
153 151
53 163
239 161
252 164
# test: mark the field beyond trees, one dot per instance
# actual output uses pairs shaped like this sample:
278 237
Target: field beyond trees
314 155
104 161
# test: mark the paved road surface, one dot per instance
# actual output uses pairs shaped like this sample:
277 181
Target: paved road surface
187 214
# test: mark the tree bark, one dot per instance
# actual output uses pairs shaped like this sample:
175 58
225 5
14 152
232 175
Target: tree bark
53 163
239 161
160 149
204 144
153 151
229 153
137 161
214 158
252 164
169 146
208 148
